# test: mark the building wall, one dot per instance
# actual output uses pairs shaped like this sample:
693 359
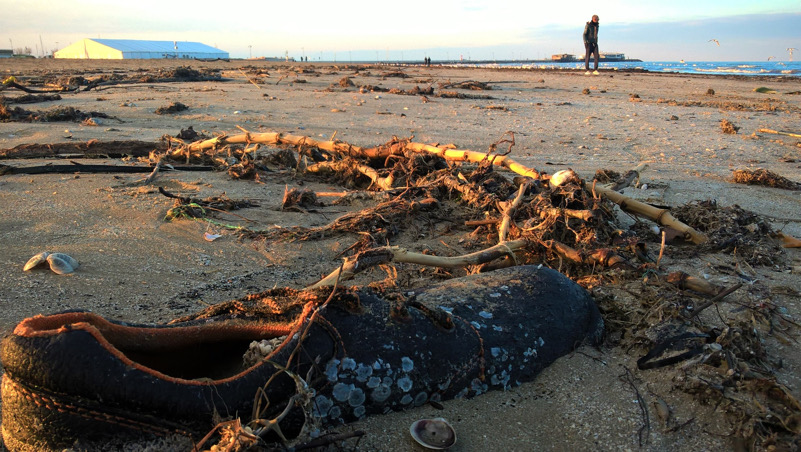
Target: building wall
88 48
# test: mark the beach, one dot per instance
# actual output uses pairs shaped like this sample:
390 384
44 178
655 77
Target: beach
137 267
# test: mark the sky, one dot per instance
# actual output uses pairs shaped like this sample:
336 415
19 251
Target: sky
360 30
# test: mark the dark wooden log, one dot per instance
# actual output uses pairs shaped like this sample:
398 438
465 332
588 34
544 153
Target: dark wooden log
78 168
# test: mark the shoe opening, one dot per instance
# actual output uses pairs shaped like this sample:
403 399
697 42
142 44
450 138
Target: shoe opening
207 361
204 351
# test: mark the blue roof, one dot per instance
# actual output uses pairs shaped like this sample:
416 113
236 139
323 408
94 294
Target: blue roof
134 45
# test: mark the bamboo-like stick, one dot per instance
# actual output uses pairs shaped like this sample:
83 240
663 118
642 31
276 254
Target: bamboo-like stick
660 216
475 157
777 132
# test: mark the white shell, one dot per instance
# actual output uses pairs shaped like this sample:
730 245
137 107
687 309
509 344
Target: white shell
68 259
434 433
59 265
561 177
209 237
36 261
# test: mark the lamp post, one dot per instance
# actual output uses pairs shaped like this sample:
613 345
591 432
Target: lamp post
250 51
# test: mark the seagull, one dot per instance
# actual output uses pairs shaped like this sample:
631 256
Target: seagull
771 57
715 41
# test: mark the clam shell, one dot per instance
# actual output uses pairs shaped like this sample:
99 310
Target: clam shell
434 433
59 264
68 259
36 261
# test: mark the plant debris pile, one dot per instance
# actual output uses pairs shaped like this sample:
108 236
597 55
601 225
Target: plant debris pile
53 114
716 355
765 178
186 207
734 231
174 107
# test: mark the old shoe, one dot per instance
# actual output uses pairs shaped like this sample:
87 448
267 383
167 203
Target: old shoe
75 379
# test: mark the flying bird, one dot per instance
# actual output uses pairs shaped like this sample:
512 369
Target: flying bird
715 41
771 57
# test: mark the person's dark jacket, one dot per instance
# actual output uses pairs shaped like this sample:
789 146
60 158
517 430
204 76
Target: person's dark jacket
591 33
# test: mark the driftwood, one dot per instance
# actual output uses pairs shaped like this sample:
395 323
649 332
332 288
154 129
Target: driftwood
32 98
112 149
11 82
81 168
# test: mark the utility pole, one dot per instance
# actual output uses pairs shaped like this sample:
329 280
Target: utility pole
250 51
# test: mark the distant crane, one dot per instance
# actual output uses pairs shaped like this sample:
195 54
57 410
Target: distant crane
790 49
715 41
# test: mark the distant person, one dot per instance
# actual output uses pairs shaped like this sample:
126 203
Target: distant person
591 44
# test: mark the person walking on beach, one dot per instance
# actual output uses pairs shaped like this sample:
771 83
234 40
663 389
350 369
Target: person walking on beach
591 44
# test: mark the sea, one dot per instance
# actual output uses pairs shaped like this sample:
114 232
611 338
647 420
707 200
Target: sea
749 68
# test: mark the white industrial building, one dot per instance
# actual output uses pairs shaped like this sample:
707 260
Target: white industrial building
118 49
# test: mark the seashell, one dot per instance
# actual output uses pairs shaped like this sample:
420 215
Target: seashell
562 177
36 261
209 237
68 259
662 410
434 433
60 265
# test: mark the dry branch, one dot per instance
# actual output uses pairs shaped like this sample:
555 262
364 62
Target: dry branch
508 213
387 254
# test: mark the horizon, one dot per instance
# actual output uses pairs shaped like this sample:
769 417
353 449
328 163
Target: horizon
473 30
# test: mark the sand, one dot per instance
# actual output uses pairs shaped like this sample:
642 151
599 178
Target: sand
139 268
